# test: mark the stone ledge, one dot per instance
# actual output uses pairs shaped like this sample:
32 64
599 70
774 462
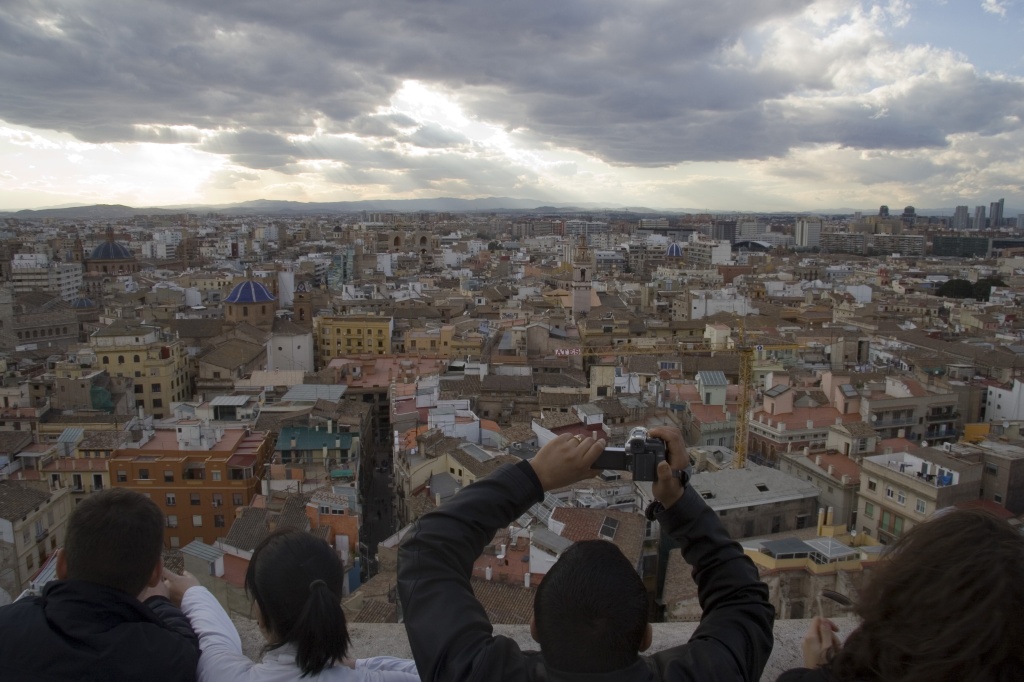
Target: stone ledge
371 639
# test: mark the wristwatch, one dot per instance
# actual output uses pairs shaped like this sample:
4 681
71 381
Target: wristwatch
656 507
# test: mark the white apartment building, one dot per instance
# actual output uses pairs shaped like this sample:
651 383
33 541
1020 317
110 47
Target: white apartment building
36 272
1005 403
705 253
808 232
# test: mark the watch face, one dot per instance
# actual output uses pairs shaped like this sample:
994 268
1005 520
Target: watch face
653 509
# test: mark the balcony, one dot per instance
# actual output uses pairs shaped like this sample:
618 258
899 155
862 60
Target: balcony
42 535
942 416
889 423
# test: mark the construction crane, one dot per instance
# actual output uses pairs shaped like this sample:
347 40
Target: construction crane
745 349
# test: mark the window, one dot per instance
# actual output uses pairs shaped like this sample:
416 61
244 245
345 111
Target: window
138 388
236 499
193 499
143 474
901 497
215 475
919 507
197 520
872 484
171 500
218 500
155 388
172 520
997 498
122 476
120 359
992 469
218 520
175 542
158 402
869 510
889 492
135 358
168 476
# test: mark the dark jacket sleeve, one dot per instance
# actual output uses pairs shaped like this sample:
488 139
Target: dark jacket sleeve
735 635
449 632
806 675
182 647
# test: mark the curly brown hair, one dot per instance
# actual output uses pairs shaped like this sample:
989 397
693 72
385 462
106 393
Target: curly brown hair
946 604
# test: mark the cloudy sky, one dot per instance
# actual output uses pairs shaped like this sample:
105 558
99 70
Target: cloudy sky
732 104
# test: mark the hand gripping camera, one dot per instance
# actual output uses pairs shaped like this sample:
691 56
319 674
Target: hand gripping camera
640 455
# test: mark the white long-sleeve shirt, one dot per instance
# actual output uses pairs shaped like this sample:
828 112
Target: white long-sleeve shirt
222 659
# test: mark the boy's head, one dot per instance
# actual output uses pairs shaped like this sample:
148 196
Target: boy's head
590 612
114 538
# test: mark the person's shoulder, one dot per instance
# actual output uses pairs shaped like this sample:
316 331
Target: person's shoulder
15 615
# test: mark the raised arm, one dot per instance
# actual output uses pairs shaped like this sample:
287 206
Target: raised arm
450 635
735 637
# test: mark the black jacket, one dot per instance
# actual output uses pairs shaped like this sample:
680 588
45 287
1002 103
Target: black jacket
451 637
823 674
82 631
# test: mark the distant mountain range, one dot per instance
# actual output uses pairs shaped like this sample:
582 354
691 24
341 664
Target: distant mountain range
294 208
441 204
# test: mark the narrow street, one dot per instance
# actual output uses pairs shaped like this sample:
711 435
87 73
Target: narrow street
378 516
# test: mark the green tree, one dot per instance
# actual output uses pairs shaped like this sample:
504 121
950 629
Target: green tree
983 287
956 288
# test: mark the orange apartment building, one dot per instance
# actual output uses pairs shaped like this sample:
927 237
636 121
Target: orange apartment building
198 476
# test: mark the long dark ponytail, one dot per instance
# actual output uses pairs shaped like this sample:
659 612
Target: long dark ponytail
297 582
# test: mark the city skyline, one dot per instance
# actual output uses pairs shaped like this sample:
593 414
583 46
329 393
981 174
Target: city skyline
787 105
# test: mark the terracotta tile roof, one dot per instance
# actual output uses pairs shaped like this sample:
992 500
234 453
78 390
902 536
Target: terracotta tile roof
376 611
248 530
17 500
586 524
504 603
507 384
841 465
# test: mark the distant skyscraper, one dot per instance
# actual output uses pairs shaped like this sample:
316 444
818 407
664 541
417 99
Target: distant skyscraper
808 232
1020 222
979 218
995 213
723 230
961 218
883 211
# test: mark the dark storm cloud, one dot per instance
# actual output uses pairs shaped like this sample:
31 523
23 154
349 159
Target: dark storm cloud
635 83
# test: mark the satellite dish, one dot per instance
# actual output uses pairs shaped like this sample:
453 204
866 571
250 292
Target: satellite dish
874 417
1006 425
924 444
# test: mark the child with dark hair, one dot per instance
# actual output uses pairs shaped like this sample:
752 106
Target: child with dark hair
107 616
944 606
295 581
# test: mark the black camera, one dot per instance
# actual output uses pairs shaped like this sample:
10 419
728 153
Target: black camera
640 455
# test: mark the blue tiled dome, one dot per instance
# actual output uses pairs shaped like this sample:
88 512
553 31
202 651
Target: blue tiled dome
674 251
111 250
81 303
249 292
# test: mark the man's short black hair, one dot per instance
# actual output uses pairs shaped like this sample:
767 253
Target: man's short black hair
591 610
115 538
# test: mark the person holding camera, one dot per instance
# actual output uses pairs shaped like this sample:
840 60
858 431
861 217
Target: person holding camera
591 609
